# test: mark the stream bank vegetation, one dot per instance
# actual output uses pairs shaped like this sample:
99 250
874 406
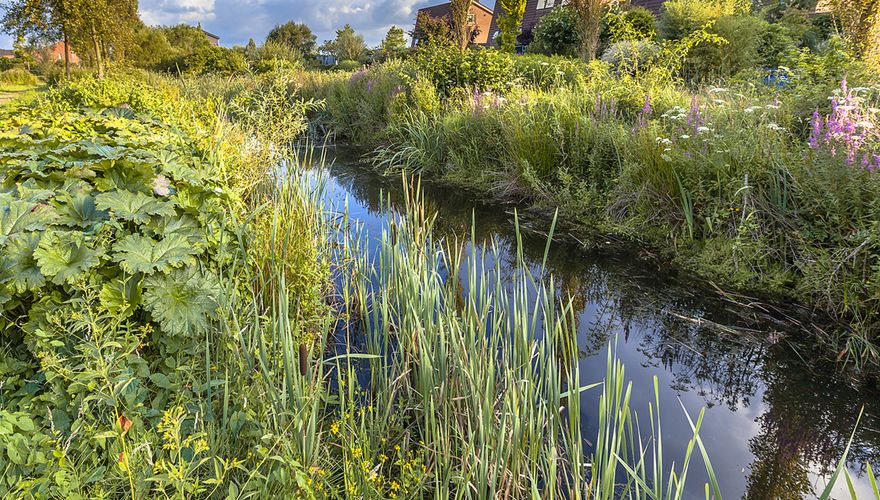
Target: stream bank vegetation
170 325
756 185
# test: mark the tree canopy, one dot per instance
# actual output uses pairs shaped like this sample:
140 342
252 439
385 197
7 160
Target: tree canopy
295 35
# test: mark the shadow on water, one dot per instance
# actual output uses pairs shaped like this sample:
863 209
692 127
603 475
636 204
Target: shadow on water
776 419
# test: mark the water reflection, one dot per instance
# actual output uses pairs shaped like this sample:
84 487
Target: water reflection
776 420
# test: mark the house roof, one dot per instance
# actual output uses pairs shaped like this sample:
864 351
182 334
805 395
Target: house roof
439 5
7 53
209 34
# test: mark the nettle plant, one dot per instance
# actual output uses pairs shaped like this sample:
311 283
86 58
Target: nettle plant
113 203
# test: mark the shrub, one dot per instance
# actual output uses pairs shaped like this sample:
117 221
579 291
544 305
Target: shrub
679 18
272 55
18 76
208 60
541 70
449 68
632 24
744 35
631 56
348 65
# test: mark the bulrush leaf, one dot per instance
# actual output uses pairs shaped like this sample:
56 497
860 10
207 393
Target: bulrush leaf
135 207
182 300
142 254
64 256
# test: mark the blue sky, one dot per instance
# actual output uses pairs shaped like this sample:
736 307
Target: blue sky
237 20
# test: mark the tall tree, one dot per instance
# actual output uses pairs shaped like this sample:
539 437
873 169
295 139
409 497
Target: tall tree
102 28
861 24
430 31
39 20
589 23
458 17
394 43
295 35
509 22
348 45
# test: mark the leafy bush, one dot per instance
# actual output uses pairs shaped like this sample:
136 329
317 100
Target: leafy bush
18 76
744 35
679 18
273 56
449 68
208 60
631 56
347 65
541 70
556 33
632 24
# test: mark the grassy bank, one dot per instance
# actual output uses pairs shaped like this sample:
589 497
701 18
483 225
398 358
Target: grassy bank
754 186
165 327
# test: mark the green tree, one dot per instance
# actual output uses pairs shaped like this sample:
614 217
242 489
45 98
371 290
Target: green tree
150 48
295 35
186 39
101 27
589 23
432 31
556 33
861 24
509 22
394 43
39 20
462 33
348 45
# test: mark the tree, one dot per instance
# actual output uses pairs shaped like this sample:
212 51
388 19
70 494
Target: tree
295 35
150 48
589 23
186 39
860 20
432 31
462 32
101 28
556 33
509 22
393 44
348 45
44 20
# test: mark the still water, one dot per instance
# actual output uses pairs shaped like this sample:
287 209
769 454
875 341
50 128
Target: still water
776 419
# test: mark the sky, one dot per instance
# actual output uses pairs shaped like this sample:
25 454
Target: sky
235 21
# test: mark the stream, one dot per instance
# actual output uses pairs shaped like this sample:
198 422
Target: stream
776 420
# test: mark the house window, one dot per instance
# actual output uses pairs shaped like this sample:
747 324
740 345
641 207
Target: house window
472 18
546 4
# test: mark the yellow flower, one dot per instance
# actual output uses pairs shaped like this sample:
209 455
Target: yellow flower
383 458
334 427
394 486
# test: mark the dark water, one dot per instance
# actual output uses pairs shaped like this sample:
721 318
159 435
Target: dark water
776 419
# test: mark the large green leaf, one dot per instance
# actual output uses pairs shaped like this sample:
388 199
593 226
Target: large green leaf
136 207
22 266
20 216
182 300
79 209
142 254
121 296
65 256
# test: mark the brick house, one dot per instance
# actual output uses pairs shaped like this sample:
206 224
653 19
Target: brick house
479 17
55 52
7 54
214 39
536 9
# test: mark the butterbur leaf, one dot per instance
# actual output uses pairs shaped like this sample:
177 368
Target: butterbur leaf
137 207
121 297
182 300
79 209
22 266
142 254
20 216
65 256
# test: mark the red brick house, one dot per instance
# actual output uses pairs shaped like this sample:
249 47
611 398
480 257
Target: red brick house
55 52
479 17
536 9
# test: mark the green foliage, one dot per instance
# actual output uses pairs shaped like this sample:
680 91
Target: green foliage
509 23
273 56
18 76
449 68
208 60
744 35
432 31
556 33
632 24
679 18
347 46
394 44
296 36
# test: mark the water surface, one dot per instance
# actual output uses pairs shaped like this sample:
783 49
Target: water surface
776 419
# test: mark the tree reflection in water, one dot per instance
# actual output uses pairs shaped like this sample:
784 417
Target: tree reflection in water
712 347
